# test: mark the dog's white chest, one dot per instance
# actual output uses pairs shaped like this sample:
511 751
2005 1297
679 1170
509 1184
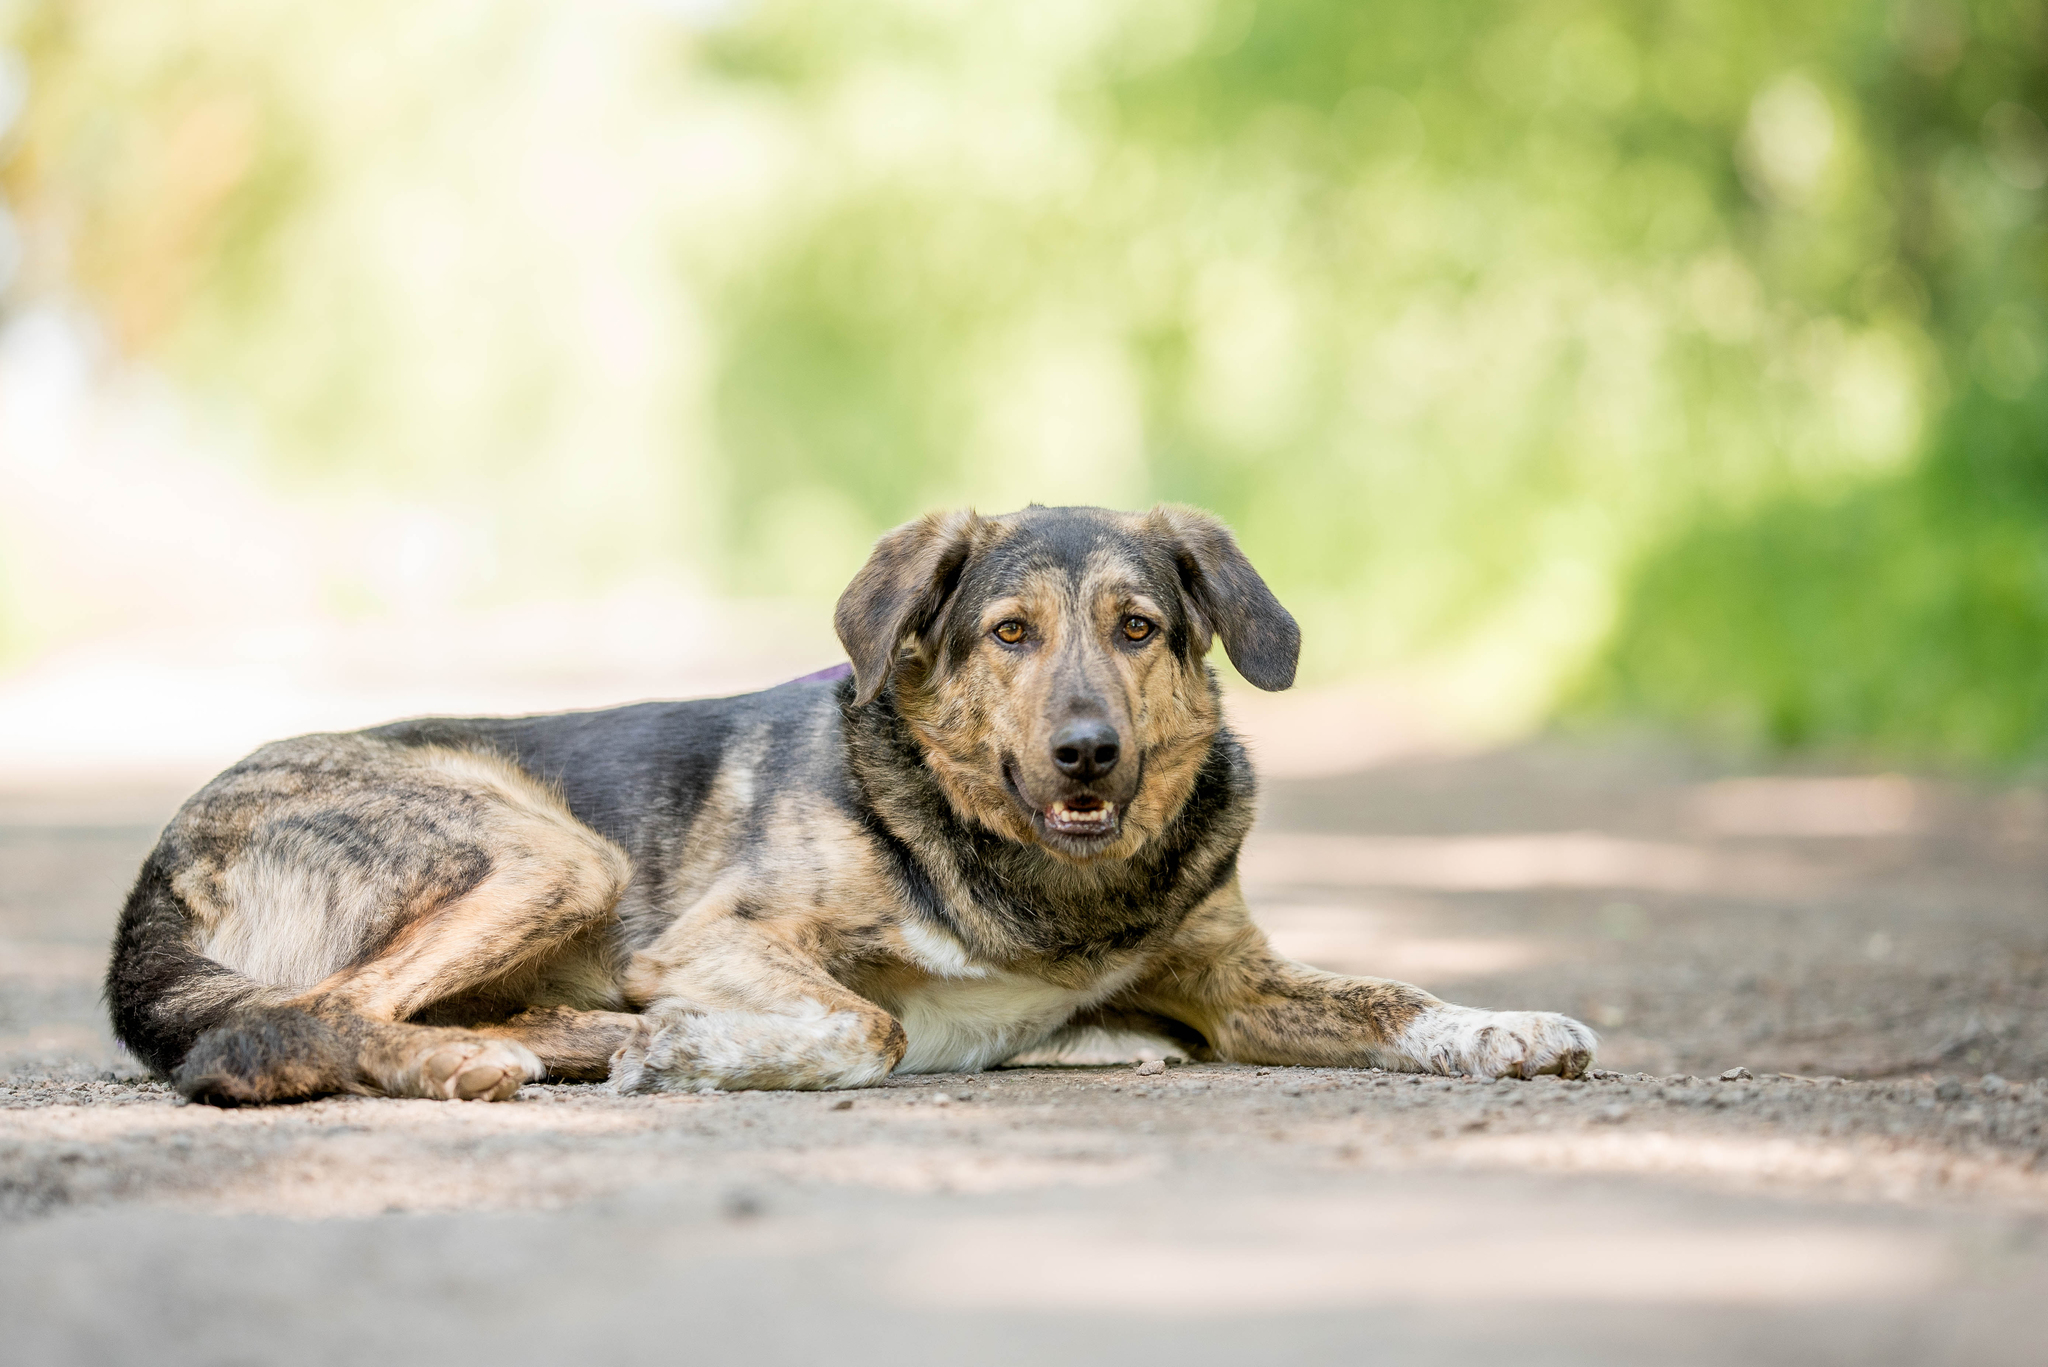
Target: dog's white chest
967 1016
958 1025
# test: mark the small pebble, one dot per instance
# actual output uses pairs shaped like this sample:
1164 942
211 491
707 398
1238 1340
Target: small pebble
1948 1089
1736 1075
1153 1067
741 1205
844 1103
1611 1115
1992 1085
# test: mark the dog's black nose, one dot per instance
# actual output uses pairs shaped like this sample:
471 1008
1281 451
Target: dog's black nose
1085 749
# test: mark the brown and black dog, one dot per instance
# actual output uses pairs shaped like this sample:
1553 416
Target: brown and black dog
1018 816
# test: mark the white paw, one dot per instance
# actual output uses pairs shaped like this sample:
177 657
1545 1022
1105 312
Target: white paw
628 1075
750 1050
657 1059
474 1070
1463 1039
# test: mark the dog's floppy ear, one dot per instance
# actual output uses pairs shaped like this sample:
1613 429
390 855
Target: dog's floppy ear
1229 598
899 592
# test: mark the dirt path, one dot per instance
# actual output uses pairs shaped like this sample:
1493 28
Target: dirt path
1882 940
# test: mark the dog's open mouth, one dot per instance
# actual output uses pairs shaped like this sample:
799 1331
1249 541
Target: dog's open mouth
1083 816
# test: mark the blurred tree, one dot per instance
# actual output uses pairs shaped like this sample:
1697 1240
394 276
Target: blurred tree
1908 613
1573 348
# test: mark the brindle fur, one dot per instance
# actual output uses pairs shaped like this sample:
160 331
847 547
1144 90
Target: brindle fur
808 887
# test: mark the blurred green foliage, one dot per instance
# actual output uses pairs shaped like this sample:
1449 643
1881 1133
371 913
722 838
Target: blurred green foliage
1907 613
1682 359
1908 617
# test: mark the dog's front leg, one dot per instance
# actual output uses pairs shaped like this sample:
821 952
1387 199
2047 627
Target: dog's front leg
687 1050
1221 977
740 1004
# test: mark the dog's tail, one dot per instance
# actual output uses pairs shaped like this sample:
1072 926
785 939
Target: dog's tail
162 993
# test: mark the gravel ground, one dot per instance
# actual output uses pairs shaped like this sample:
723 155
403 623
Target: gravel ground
1867 955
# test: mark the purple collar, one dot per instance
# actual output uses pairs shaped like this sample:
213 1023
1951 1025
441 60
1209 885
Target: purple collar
842 670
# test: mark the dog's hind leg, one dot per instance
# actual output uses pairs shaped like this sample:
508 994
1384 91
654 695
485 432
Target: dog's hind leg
551 879
578 1045
299 1050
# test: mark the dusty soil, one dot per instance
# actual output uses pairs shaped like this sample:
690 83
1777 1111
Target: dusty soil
1872 949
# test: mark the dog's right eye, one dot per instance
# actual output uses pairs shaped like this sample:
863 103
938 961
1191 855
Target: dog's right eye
1009 633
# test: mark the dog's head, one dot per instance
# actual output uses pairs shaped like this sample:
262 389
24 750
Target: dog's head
1051 661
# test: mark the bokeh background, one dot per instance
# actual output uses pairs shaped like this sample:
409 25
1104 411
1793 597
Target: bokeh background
1559 361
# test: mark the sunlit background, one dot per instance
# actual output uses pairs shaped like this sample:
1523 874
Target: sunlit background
1558 362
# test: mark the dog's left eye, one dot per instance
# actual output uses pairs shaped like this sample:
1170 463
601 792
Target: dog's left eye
1137 628
1009 633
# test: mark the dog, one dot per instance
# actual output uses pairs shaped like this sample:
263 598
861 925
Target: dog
1014 817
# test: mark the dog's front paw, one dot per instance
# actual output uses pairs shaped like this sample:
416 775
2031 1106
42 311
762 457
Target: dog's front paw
629 1074
658 1058
1462 1039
